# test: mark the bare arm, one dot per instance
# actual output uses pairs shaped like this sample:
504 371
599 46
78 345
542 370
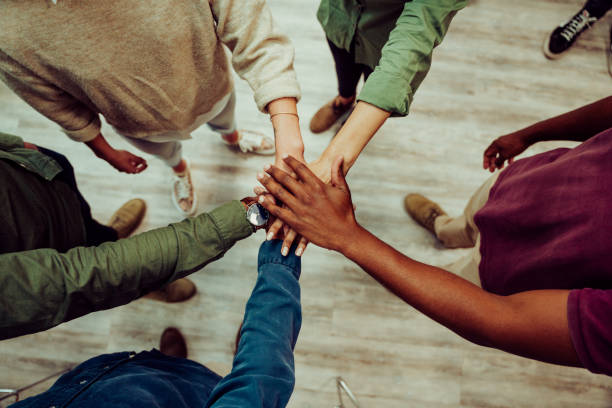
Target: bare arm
122 160
352 138
577 125
531 324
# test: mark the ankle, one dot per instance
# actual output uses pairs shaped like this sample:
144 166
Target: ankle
344 100
181 167
231 138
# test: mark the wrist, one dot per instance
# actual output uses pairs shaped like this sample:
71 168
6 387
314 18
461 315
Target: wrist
352 245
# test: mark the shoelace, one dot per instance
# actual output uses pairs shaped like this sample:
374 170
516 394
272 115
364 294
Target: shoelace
576 24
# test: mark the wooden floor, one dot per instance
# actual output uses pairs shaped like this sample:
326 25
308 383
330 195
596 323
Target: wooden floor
488 77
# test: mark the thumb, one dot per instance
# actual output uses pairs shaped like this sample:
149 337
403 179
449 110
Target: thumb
337 174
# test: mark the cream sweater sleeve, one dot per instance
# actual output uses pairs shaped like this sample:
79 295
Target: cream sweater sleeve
76 120
260 53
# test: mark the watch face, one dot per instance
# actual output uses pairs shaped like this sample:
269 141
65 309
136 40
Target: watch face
257 215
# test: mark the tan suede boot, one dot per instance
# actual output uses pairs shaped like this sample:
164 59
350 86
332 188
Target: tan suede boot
178 291
127 218
423 210
172 343
327 115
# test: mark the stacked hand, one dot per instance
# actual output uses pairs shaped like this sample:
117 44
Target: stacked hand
322 213
503 149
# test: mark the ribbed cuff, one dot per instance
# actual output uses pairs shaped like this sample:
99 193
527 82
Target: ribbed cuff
387 92
231 222
283 86
270 253
87 133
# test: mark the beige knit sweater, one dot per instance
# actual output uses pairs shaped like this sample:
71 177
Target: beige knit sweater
147 66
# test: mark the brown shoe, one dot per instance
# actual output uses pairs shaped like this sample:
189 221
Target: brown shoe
328 115
423 210
127 218
172 343
178 291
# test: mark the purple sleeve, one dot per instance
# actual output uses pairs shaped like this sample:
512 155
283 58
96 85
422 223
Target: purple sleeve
589 313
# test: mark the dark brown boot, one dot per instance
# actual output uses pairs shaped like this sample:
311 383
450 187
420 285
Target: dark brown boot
172 343
328 115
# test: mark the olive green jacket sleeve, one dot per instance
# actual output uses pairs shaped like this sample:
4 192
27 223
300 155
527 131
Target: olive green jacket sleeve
42 288
406 56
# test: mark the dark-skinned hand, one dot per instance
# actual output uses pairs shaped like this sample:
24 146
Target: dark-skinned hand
321 213
503 149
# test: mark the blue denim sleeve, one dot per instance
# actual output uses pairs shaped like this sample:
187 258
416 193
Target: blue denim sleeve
263 371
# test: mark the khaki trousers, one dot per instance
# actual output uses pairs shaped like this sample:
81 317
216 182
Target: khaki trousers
461 232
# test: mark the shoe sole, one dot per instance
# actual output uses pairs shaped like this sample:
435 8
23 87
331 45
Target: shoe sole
546 50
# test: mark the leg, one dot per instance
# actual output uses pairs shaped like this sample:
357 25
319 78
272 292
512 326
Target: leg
461 232
247 141
347 71
598 8
170 153
563 37
348 74
225 122
96 233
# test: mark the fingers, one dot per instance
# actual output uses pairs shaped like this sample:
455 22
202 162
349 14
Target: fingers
276 225
288 241
258 190
302 171
277 190
337 174
283 215
285 180
301 246
489 156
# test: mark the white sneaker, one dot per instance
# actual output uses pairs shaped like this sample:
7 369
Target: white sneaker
183 193
254 142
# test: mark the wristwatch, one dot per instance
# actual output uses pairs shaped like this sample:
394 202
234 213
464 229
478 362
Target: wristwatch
256 214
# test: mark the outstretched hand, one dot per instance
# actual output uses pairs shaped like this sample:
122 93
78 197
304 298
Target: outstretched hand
322 213
503 149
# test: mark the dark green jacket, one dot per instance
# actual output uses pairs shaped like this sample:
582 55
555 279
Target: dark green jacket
393 37
41 288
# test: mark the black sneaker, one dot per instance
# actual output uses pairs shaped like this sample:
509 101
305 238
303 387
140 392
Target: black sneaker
562 38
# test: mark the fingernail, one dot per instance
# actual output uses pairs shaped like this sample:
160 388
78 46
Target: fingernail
269 236
261 199
260 176
267 167
299 251
285 156
285 251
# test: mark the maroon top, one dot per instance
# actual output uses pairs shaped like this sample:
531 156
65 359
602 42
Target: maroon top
548 225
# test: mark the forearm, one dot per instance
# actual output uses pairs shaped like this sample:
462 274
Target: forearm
288 138
530 324
577 125
263 370
352 138
100 146
43 288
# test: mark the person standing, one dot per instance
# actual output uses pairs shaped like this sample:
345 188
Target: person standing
155 71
